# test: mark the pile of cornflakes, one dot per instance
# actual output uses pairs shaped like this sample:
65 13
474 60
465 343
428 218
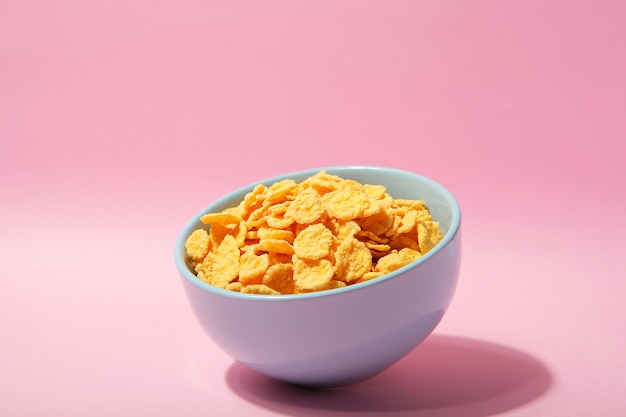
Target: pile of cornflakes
322 233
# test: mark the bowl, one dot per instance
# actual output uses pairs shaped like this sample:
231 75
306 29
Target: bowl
342 336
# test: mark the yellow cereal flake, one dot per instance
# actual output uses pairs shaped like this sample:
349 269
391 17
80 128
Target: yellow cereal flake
280 190
395 225
250 202
376 192
253 267
279 258
240 233
371 275
352 260
259 289
345 230
306 208
281 234
396 260
412 204
257 217
409 254
313 242
323 233
404 241
197 245
377 247
276 245
323 182
223 218
218 231
225 263
378 223
435 232
428 236
279 277
202 275
408 222
335 283
312 275
234 286
206 267
372 236
279 221
346 203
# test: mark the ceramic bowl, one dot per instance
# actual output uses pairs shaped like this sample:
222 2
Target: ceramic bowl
342 336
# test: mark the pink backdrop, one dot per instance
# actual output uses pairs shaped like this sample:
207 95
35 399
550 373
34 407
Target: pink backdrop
119 120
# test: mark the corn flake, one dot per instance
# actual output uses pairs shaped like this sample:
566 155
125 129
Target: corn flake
323 233
352 260
223 218
197 245
225 263
276 245
306 208
396 260
253 267
313 242
279 277
259 289
312 275
347 203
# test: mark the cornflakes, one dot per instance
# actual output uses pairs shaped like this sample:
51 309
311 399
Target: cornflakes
306 208
225 262
323 233
312 274
197 245
347 203
313 242
252 267
259 289
279 277
276 245
352 260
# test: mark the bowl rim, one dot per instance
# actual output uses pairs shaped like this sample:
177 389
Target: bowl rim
239 193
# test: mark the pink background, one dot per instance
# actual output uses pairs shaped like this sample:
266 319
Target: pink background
119 120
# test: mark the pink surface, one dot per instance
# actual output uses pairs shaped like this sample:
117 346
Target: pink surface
120 120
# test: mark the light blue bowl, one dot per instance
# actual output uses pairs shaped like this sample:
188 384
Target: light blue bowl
343 336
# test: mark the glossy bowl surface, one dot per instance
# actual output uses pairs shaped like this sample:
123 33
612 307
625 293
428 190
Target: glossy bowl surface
343 336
